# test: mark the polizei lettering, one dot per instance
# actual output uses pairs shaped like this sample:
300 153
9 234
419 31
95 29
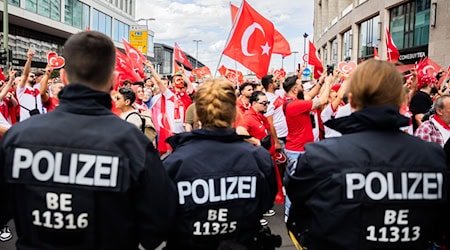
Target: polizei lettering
82 169
215 190
399 186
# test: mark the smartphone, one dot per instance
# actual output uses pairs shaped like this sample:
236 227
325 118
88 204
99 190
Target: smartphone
299 65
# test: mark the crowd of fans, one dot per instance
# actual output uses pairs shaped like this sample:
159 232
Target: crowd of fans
282 115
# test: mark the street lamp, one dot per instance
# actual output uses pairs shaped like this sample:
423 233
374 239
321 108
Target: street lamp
295 55
304 42
146 20
196 52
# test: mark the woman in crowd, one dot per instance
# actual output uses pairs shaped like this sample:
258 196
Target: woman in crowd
224 183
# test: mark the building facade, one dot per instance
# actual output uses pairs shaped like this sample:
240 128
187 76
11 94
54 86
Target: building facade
351 29
45 25
163 59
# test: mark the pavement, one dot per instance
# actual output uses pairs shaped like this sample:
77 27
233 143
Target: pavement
276 224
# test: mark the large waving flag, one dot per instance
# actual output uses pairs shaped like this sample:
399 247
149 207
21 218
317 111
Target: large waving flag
280 44
136 57
125 70
202 72
392 51
164 127
180 57
314 60
251 40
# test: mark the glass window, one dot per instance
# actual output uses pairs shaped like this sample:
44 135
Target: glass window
121 30
410 24
14 2
334 50
102 22
77 14
347 45
43 8
31 5
55 10
368 39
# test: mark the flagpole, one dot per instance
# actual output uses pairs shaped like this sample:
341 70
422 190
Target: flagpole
229 35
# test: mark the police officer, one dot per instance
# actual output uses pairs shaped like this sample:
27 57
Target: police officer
80 177
224 183
375 187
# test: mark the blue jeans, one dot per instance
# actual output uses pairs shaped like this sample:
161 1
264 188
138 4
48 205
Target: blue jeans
292 159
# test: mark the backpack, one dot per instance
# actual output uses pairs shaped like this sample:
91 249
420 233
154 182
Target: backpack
147 126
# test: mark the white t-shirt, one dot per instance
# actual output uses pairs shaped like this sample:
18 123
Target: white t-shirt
275 109
327 113
133 118
176 123
30 98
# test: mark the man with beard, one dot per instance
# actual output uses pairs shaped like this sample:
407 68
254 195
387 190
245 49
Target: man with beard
27 91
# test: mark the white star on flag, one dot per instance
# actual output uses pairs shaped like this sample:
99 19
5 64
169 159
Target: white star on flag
266 48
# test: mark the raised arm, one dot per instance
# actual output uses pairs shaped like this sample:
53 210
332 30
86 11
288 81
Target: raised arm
26 68
44 84
156 77
5 90
190 86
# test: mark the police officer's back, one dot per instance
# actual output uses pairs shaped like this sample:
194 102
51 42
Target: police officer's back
375 187
80 177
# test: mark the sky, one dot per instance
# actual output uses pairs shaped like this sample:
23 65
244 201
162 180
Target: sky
183 21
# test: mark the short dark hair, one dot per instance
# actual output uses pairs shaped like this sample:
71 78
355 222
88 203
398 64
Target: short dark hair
90 58
128 94
266 80
255 96
289 83
245 84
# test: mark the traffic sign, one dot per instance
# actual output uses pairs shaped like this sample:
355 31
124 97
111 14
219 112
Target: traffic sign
306 72
139 40
305 57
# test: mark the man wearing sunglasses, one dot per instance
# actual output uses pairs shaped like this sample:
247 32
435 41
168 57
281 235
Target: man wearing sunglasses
27 91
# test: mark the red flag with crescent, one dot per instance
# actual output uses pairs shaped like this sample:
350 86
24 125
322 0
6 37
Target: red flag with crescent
124 69
314 60
280 44
136 57
164 127
202 72
180 57
234 76
252 39
392 51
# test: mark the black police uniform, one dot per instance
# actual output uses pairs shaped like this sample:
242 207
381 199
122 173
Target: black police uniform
82 178
373 188
224 186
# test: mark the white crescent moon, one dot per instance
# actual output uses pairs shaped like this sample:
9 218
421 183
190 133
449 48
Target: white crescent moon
180 55
345 68
425 69
247 33
137 55
51 61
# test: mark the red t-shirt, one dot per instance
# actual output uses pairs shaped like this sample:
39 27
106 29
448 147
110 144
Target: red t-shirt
256 124
242 106
299 125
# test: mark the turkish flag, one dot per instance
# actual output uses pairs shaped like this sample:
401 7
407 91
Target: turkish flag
375 53
234 76
136 57
124 69
179 56
251 40
202 72
392 51
314 60
280 44
164 127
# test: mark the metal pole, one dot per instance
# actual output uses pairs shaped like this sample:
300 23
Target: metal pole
196 53
6 29
304 44
282 62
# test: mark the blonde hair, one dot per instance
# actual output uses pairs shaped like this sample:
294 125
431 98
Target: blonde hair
215 104
374 83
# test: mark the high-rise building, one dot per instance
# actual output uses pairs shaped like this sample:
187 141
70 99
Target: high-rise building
351 29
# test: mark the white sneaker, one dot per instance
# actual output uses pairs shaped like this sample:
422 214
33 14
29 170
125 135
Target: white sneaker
263 222
5 234
269 213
